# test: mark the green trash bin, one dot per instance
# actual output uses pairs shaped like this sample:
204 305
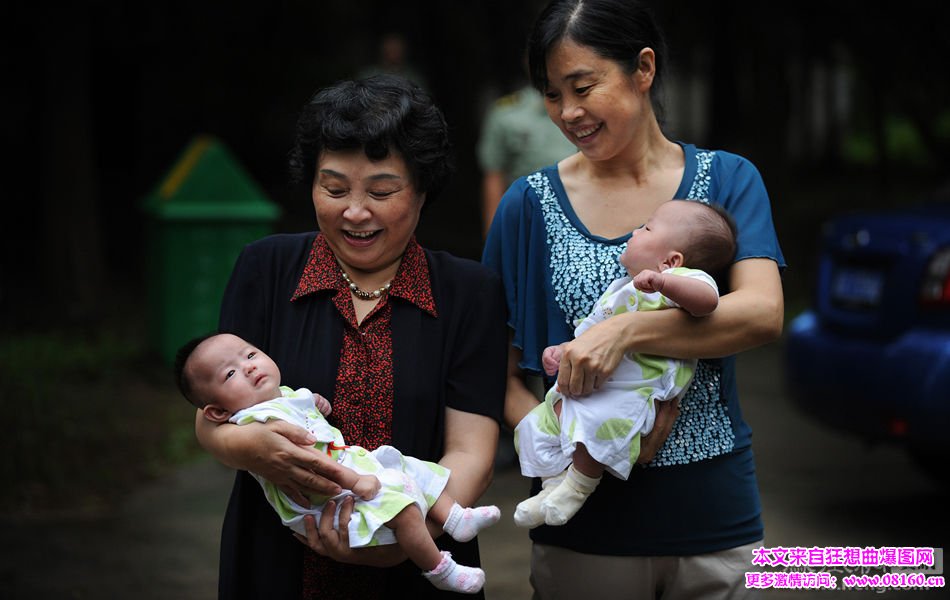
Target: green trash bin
198 219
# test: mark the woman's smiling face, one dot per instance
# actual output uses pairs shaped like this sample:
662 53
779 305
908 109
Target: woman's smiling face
598 106
367 210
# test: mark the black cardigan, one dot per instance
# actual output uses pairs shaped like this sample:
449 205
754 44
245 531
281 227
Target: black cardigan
458 359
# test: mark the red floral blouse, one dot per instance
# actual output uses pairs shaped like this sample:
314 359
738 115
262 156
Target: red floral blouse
363 398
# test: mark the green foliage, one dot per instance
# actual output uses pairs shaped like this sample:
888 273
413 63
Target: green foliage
942 128
902 143
88 416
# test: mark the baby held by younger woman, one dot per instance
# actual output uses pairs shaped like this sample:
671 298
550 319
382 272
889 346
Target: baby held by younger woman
570 442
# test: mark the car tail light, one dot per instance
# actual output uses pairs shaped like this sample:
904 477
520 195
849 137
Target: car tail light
936 288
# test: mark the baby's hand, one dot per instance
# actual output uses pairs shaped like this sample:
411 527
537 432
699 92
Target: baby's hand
323 405
366 487
649 281
551 359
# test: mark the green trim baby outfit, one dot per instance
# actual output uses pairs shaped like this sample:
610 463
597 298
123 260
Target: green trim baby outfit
405 480
610 421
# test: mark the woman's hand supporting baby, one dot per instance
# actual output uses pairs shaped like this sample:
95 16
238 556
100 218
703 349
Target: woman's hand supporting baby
589 360
666 412
277 451
334 543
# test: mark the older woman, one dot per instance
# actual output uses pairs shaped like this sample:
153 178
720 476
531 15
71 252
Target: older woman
406 343
683 526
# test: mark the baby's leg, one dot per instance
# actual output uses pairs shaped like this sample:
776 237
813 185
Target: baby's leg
438 567
528 513
585 463
569 496
413 537
462 524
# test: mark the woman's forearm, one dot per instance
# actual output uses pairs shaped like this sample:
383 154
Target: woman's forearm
519 400
750 316
734 327
214 438
470 444
278 451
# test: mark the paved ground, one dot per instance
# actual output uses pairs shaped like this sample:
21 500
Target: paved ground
163 544
817 488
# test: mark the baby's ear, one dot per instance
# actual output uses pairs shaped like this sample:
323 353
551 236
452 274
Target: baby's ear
673 260
216 414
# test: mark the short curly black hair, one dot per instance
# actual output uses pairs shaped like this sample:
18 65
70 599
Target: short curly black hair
379 115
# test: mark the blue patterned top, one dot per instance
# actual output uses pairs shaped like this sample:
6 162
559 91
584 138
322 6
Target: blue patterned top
582 267
554 270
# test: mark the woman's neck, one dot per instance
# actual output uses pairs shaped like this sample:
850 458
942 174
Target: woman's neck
371 287
613 196
369 280
639 161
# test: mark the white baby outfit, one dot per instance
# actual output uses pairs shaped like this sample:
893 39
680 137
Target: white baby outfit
610 421
405 480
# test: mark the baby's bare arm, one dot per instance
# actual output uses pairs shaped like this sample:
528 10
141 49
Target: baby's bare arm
695 296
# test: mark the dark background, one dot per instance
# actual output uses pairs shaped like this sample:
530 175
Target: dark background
841 105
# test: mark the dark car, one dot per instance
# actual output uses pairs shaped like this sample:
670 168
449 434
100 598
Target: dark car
872 357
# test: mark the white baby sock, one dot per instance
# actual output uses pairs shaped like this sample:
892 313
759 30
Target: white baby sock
451 576
464 524
568 497
528 512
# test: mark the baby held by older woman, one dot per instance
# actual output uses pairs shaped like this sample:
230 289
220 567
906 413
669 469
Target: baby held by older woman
230 380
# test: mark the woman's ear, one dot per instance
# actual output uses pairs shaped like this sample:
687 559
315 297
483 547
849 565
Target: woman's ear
216 414
646 69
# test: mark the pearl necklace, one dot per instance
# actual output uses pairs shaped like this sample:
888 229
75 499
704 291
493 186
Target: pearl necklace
363 294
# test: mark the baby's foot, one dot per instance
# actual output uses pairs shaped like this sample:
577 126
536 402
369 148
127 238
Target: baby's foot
528 512
464 524
451 576
568 497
